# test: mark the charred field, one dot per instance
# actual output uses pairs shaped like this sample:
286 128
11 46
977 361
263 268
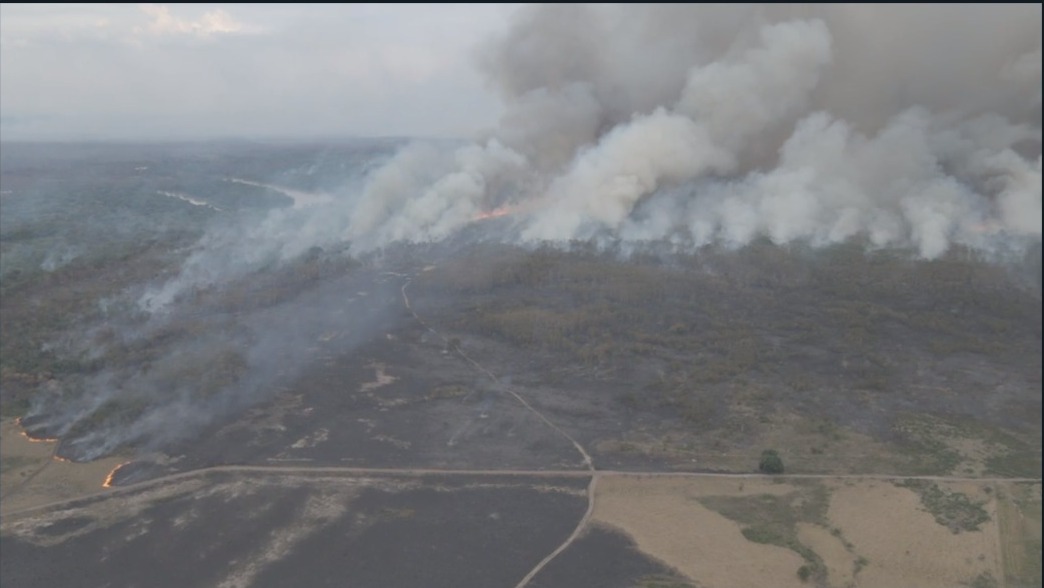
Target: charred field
316 529
468 354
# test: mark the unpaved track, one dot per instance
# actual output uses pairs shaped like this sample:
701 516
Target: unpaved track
569 540
421 472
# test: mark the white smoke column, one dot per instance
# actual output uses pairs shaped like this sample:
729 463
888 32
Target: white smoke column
768 84
401 204
408 174
548 126
605 183
1020 201
832 184
722 105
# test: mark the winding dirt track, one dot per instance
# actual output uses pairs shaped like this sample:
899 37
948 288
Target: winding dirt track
569 540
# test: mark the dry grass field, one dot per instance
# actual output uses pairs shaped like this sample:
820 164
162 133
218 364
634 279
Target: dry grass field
837 532
30 475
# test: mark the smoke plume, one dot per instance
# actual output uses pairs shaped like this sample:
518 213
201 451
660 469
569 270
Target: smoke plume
904 126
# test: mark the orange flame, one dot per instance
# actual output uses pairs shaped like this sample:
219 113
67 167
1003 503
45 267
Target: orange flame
30 438
39 439
495 213
108 479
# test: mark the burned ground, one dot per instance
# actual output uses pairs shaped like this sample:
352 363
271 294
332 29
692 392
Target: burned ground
843 359
817 356
605 558
271 530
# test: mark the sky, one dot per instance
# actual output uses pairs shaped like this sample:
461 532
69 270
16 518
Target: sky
153 71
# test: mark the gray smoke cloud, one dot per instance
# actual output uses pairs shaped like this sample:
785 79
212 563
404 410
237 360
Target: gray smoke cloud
904 126
907 126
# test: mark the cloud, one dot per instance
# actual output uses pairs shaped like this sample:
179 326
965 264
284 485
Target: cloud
212 22
263 70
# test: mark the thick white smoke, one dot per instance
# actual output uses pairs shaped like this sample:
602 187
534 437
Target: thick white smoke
904 126
750 139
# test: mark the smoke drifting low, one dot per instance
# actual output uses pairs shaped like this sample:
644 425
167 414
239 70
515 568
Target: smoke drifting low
907 127
207 363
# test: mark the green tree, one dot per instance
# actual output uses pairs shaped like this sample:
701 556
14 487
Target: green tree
770 462
804 573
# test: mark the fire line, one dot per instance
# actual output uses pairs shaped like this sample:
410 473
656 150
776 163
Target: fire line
32 439
108 479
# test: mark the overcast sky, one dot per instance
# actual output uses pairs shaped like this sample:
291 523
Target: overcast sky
195 71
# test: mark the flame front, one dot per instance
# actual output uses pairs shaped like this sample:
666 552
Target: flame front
495 213
32 439
108 479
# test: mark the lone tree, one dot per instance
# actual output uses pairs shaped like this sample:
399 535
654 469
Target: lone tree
770 462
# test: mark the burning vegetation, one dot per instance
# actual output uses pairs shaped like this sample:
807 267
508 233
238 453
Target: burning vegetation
109 479
32 439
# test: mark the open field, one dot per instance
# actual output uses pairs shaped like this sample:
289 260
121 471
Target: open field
867 533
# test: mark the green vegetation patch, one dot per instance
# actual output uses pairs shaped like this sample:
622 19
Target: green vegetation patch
1022 463
930 443
770 462
924 441
950 509
772 519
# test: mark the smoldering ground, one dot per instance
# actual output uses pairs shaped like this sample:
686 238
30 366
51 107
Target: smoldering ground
166 377
915 128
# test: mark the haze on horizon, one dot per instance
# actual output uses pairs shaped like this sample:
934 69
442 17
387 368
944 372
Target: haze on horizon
159 72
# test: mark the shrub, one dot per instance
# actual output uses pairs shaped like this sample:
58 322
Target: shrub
770 462
804 573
